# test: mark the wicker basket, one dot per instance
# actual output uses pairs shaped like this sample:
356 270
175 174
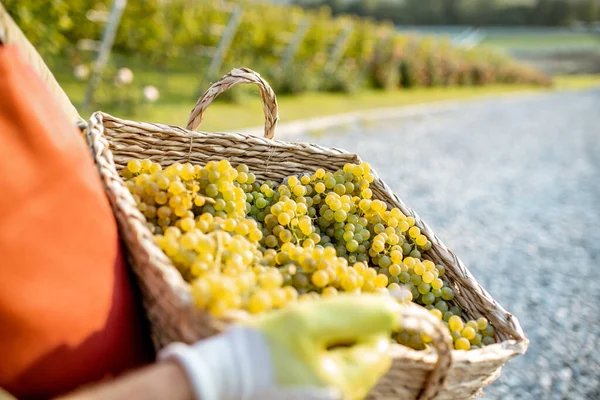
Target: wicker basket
414 374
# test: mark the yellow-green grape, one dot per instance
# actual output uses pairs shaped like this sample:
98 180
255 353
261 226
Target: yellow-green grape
437 284
329 291
419 268
176 187
187 171
260 301
428 277
472 324
378 246
455 323
421 240
395 270
462 344
278 244
380 281
482 323
134 166
320 278
437 313
468 333
187 224
284 218
403 226
271 279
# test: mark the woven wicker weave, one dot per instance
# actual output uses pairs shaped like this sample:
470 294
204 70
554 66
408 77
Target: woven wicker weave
414 374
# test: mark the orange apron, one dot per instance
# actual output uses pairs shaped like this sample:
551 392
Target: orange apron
68 314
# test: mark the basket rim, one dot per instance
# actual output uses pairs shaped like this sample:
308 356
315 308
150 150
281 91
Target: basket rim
503 350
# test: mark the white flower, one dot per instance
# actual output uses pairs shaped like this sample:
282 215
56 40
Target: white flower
151 93
81 72
124 76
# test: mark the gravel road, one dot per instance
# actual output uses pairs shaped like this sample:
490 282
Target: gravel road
513 187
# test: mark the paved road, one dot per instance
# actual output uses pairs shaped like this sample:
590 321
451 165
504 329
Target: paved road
513 187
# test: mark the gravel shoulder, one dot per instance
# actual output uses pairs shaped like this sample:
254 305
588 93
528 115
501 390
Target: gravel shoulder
513 187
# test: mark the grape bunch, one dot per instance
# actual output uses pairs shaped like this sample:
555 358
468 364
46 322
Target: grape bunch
255 246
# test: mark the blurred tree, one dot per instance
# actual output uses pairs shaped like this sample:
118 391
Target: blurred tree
588 10
468 12
451 11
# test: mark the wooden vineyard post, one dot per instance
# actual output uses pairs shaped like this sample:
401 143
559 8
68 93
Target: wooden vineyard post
294 43
108 38
339 48
225 42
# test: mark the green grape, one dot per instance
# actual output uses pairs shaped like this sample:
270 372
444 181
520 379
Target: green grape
271 241
348 235
441 269
285 236
456 310
428 298
404 277
447 315
329 182
415 279
352 245
424 288
442 306
415 253
340 216
261 203
489 331
476 340
288 242
385 262
447 293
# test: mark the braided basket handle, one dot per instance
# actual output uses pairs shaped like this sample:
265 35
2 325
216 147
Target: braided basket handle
419 320
235 77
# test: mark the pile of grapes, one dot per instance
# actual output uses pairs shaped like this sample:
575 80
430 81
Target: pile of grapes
247 245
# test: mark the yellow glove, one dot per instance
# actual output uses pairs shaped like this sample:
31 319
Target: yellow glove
339 343
326 349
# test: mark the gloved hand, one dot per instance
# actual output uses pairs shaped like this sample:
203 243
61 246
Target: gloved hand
328 349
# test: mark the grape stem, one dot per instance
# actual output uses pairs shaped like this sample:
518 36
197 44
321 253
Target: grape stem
207 199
